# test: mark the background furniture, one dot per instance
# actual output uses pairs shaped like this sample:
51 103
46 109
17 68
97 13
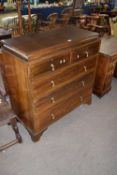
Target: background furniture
106 64
50 23
115 72
44 11
113 24
7 116
95 22
51 74
4 34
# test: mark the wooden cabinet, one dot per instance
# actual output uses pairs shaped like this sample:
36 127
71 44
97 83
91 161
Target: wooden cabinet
106 65
47 75
115 72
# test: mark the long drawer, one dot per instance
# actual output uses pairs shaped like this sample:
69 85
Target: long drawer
41 87
58 95
44 119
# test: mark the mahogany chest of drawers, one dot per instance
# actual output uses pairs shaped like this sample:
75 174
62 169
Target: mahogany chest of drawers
106 65
49 74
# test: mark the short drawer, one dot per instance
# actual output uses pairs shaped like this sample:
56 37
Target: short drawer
44 119
58 95
85 52
49 65
51 83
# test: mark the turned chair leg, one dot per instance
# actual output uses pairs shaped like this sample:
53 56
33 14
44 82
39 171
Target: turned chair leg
13 123
18 139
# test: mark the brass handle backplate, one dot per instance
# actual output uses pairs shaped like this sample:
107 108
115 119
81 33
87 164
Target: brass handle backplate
53 116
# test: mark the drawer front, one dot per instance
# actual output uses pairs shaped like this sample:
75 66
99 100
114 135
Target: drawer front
41 87
57 96
44 119
85 52
50 65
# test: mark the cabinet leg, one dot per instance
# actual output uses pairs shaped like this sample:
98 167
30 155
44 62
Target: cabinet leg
89 101
13 123
37 137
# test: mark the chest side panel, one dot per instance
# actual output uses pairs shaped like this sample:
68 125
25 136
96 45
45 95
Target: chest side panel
15 76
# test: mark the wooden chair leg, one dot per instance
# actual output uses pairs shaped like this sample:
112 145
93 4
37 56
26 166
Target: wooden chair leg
18 139
16 130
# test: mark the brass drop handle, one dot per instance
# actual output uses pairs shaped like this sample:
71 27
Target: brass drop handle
64 61
61 61
78 56
52 66
83 83
52 83
85 68
52 99
53 116
87 54
81 99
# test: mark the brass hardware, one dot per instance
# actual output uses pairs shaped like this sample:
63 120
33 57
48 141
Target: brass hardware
64 61
85 68
87 54
78 56
61 61
83 83
52 99
53 116
53 69
52 66
81 99
52 83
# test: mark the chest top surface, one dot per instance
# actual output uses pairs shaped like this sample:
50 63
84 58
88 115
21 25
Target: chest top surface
26 46
109 46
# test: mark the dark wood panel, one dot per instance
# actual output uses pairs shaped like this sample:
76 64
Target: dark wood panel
104 73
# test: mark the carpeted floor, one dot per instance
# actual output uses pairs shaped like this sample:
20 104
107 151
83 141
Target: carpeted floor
84 142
